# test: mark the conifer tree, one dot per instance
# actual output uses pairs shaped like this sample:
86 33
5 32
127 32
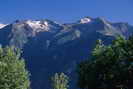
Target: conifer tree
60 81
111 66
13 74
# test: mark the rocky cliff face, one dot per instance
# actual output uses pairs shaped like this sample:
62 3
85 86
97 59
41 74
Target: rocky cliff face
50 47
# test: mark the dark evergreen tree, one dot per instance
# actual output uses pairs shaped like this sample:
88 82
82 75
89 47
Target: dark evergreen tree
111 67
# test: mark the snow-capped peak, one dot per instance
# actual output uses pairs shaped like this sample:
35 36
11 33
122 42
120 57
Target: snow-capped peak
38 24
85 20
2 25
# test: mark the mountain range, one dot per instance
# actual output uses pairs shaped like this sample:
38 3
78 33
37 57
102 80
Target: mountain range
49 47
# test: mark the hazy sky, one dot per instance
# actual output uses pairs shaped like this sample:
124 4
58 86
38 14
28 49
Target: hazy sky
66 10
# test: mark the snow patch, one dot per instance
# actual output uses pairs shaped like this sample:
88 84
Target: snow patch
2 25
38 25
85 20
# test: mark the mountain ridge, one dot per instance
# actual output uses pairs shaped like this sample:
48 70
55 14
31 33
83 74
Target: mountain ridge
51 47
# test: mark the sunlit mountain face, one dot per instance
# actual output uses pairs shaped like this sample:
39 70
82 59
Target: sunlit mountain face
2 25
49 47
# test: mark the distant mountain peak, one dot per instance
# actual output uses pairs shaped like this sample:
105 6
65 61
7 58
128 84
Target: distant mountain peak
103 20
38 24
85 20
2 25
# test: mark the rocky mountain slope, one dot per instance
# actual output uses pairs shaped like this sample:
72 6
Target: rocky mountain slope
50 47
